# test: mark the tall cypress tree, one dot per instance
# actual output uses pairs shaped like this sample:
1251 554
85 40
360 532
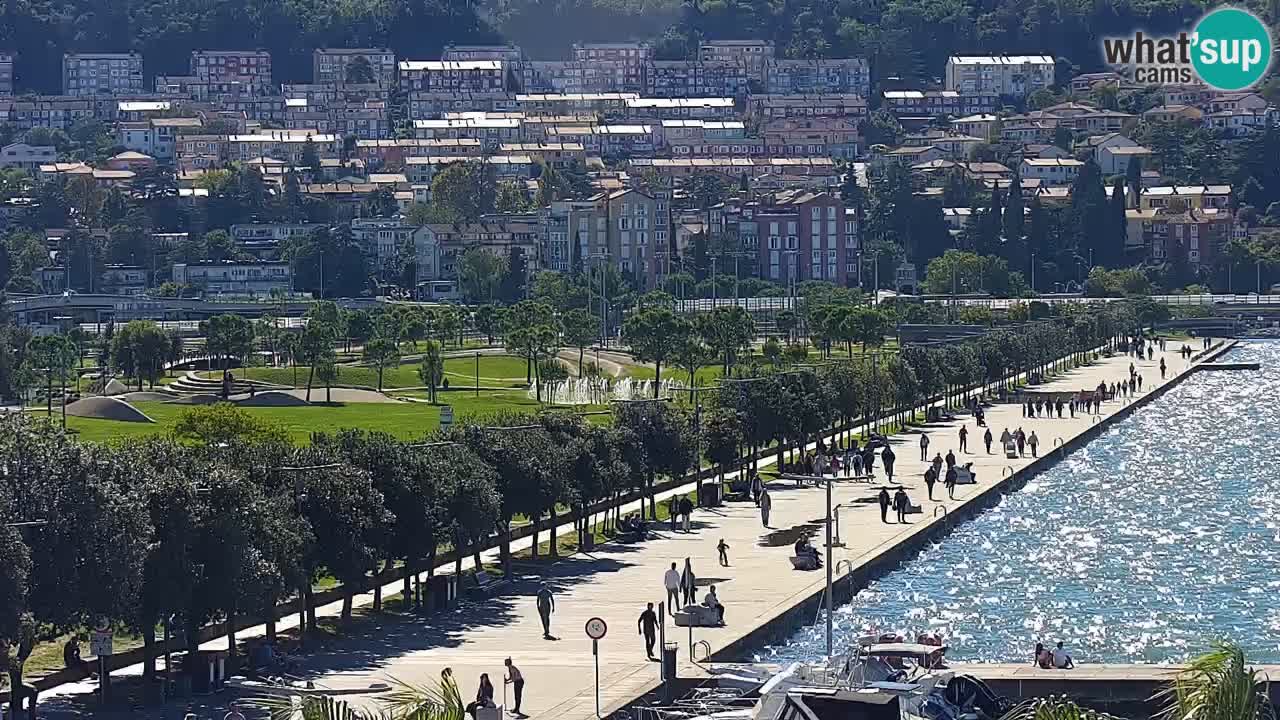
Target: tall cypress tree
1133 174
1014 216
1115 257
1094 230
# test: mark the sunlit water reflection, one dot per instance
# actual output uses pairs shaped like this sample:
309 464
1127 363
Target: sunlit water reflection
1143 546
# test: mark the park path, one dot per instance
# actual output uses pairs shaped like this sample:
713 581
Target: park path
616 580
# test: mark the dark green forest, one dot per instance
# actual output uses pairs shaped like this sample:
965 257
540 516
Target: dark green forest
907 39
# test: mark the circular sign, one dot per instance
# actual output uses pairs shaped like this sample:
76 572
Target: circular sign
596 628
1232 49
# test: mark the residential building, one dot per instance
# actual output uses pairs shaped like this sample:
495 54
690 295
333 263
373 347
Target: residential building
818 77
1194 236
286 145
490 131
929 104
141 110
421 170
235 278
1051 171
1113 152
1084 83
846 105
648 108
1194 197
102 74
978 126
438 249
122 280
701 78
1240 122
381 239
265 239
805 235
6 73
1173 113
749 53
346 66
630 60
27 157
435 105
251 68
510 54
801 137
448 76
131 160
1011 75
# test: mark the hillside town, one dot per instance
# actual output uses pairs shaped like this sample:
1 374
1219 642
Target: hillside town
741 159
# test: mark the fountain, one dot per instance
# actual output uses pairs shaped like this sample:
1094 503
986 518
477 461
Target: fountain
597 391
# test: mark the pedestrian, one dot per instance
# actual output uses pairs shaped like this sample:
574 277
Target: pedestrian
937 464
857 462
673 511
930 478
1072 407
1162 368
887 456
688 583
1034 442
951 459
848 462
723 548
883 498
1021 438
546 605
986 440
924 446
964 439
671 581
901 503
869 460
516 680
686 510
950 482
756 486
1139 383
766 504
647 624
1058 406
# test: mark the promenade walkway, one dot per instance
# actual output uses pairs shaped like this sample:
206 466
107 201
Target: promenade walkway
616 581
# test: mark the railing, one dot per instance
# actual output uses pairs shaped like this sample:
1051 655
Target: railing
693 654
936 508
1006 472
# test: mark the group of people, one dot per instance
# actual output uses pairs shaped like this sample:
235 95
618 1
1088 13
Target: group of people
901 504
680 508
1020 439
949 479
484 694
682 588
804 549
1049 659
1042 407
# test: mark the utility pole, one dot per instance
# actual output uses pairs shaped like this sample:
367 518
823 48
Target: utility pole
1033 273
713 282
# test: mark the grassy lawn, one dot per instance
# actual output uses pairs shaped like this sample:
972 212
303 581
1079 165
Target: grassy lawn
404 420
495 370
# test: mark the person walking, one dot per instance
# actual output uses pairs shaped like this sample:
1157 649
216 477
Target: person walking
887 456
686 510
647 625
1162 368
901 503
1021 438
766 504
1034 442
673 511
950 482
688 583
930 479
986 440
964 439
1005 437
924 446
516 680
723 548
546 605
1139 383
884 505
671 581
937 464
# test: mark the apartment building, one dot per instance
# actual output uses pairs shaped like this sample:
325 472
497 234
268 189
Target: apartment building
251 68
381 239
510 54
286 145
438 248
102 74
6 73
847 105
702 78
817 136
51 111
753 56
632 59
27 157
936 103
818 77
421 170
1194 236
435 105
1051 171
389 155
1013 75
235 278
492 132
804 235
353 66
453 76
1194 197
651 108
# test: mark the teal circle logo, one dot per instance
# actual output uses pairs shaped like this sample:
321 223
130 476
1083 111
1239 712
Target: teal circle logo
1231 49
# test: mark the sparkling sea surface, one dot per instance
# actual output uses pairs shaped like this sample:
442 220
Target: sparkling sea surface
1143 546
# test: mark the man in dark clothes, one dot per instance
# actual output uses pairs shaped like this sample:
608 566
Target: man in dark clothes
951 459
887 456
901 503
986 439
930 478
648 625
884 506
686 510
951 482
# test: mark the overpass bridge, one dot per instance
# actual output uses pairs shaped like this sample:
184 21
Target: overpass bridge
96 308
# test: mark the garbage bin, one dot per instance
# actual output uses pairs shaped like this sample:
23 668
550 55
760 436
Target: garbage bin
208 671
712 493
442 592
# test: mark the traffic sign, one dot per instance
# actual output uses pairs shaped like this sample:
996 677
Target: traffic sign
446 415
100 643
596 628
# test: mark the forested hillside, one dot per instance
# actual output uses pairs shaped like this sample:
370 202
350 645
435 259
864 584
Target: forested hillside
909 39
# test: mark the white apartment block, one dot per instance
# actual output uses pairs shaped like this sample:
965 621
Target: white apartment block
329 66
235 278
6 74
27 157
380 239
1016 75
477 76
252 68
102 74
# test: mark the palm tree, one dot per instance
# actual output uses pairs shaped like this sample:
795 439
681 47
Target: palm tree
431 371
405 702
1218 685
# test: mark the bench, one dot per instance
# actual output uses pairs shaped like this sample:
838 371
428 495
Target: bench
696 616
486 585
804 562
489 713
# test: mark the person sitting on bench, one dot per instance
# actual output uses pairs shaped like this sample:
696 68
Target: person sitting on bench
713 601
804 549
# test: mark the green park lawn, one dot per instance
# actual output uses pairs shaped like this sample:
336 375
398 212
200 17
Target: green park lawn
495 371
403 420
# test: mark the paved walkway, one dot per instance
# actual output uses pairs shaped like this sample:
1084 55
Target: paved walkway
615 582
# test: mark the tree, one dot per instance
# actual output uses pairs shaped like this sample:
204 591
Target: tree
552 373
691 356
140 350
512 288
310 156
579 329
726 330
227 337
1115 249
463 191
223 424
1133 177
431 369
52 357
487 319
359 71
480 272
315 348
382 352
326 371
653 334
